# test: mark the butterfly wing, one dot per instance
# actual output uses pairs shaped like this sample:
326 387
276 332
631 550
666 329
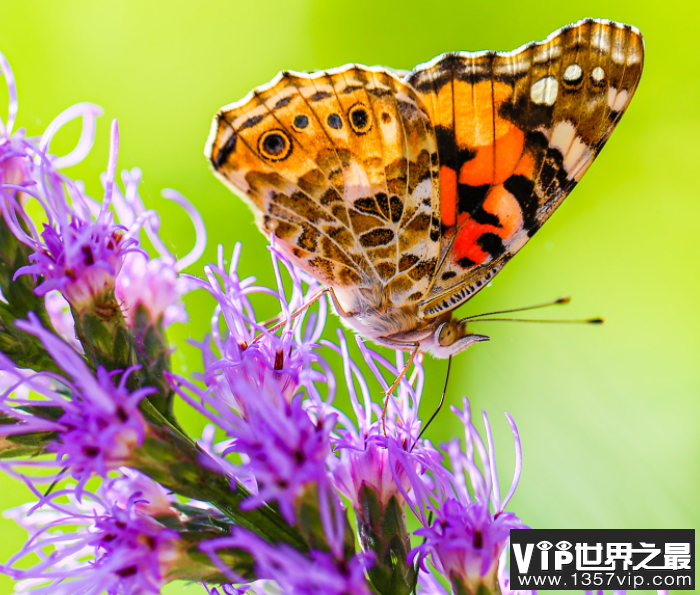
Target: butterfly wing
516 131
342 167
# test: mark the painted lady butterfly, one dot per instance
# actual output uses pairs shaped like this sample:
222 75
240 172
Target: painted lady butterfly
405 193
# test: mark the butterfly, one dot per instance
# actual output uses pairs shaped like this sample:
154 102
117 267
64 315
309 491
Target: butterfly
404 193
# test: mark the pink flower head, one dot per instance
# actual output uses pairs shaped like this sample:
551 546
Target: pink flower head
249 359
153 499
363 458
87 544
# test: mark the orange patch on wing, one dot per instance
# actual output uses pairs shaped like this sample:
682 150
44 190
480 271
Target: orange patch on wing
504 205
441 112
465 245
498 202
474 112
448 196
526 167
483 170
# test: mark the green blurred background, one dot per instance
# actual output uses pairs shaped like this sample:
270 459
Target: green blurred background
608 415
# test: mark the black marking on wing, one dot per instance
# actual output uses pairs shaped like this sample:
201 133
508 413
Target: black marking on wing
250 122
491 243
226 150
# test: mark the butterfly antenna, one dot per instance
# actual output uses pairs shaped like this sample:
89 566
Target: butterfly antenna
599 320
442 400
560 302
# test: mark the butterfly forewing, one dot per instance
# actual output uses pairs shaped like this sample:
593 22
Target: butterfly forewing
342 167
515 133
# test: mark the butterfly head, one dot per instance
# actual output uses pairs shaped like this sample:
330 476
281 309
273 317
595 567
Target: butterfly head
450 337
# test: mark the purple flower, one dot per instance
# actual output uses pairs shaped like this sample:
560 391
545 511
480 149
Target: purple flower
154 500
249 357
319 573
89 544
100 424
81 249
252 391
464 530
363 459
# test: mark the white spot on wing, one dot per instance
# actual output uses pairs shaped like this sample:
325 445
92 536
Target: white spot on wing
617 101
562 136
423 190
544 91
618 53
577 152
572 73
600 40
633 55
598 74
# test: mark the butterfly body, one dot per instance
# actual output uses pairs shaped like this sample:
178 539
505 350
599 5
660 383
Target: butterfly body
407 192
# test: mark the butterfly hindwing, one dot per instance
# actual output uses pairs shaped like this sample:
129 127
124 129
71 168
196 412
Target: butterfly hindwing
516 131
342 167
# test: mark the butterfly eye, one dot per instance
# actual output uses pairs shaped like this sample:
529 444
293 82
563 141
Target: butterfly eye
447 334
359 118
275 145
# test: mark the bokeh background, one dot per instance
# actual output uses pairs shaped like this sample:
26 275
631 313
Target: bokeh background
608 415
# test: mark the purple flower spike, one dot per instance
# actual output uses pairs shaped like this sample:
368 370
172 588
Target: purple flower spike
296 574
88 544
100 425
256 382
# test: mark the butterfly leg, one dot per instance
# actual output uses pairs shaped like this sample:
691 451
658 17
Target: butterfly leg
301 309
392 388
294 314
418 360
339 309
